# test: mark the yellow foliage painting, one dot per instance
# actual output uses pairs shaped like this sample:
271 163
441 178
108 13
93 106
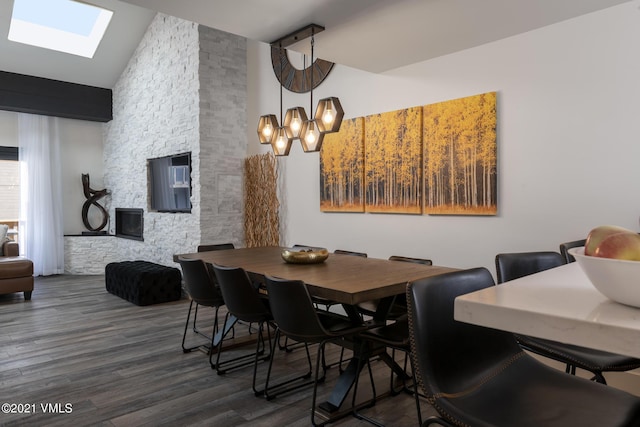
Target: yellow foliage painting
342 168
460 175
438 159
393 162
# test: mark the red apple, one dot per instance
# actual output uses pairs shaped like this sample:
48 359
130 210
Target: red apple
620 246
600 233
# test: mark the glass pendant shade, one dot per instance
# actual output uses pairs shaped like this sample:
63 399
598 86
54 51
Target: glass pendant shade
311 137
293 121
281 143
267 126
329 114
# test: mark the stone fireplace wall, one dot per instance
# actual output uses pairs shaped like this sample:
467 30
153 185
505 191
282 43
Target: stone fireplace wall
183 90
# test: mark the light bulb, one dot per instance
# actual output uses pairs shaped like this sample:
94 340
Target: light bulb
296 124
328 115
267 130
310 138
280 142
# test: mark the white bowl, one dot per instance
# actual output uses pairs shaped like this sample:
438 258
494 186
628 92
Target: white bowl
617 279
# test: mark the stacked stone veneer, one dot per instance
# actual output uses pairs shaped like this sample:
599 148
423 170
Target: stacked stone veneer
88 254
184 90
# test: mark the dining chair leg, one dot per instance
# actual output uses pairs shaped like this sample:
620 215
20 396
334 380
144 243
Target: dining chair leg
416 391
186 327
258 353
197 331
240 361
272 391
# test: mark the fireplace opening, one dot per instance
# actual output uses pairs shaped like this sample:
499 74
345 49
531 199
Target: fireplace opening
129 223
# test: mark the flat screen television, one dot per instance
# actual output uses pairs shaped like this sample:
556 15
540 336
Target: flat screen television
170 183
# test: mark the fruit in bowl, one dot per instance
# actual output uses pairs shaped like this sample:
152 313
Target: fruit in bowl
611 261
610 241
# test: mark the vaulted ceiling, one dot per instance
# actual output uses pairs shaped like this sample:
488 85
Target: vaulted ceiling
372 35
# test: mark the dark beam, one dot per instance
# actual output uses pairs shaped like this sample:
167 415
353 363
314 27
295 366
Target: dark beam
9 153
298 35
36 95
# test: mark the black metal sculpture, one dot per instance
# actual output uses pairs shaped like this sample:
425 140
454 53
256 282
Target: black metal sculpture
92 199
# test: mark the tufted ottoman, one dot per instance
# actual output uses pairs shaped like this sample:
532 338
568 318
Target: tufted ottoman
143 282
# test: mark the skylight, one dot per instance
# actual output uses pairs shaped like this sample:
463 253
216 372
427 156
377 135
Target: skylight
63 25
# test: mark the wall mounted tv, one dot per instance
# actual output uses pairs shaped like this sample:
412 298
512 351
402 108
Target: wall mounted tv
170 183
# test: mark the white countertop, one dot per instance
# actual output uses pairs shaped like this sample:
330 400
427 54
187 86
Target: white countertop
559 304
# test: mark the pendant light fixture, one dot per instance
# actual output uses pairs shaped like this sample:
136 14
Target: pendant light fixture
329 114
311 137
296 124
281 140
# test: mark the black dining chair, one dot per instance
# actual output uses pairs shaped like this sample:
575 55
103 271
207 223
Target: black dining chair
395 336
345 252
244 302
202 291
564 249
318 301
399 306
510 266
476 376
297 318
215 247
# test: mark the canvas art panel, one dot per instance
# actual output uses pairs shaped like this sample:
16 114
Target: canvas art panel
460 160
342 168
393 162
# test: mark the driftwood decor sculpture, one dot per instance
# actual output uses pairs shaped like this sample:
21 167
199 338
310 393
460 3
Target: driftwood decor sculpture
92 199
261 221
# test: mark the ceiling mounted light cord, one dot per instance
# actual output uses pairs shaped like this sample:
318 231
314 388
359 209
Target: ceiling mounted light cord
311 138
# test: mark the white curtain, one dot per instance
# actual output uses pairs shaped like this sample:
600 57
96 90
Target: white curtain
41 222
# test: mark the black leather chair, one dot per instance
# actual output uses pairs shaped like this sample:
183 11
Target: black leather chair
318 301
395 336
215 247
244 303
475 376
344 252
297 318
510 266
564 249
202 290
399 306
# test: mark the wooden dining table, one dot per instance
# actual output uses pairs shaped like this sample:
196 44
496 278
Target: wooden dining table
344 279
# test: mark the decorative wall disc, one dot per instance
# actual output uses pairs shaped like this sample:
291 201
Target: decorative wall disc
294 79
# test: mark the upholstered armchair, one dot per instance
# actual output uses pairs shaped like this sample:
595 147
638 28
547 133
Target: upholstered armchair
16 272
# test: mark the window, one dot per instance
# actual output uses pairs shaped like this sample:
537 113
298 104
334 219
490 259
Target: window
63 25
10 189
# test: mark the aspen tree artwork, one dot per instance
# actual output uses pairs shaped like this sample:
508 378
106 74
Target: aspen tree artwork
438 159
393 162
342 168
460 156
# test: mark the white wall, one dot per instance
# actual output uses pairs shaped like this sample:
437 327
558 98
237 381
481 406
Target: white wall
568 149
8 129
81 152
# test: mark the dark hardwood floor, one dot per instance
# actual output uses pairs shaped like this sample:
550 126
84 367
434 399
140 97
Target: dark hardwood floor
107 362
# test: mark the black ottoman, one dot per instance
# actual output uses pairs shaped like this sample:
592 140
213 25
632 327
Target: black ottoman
143 282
